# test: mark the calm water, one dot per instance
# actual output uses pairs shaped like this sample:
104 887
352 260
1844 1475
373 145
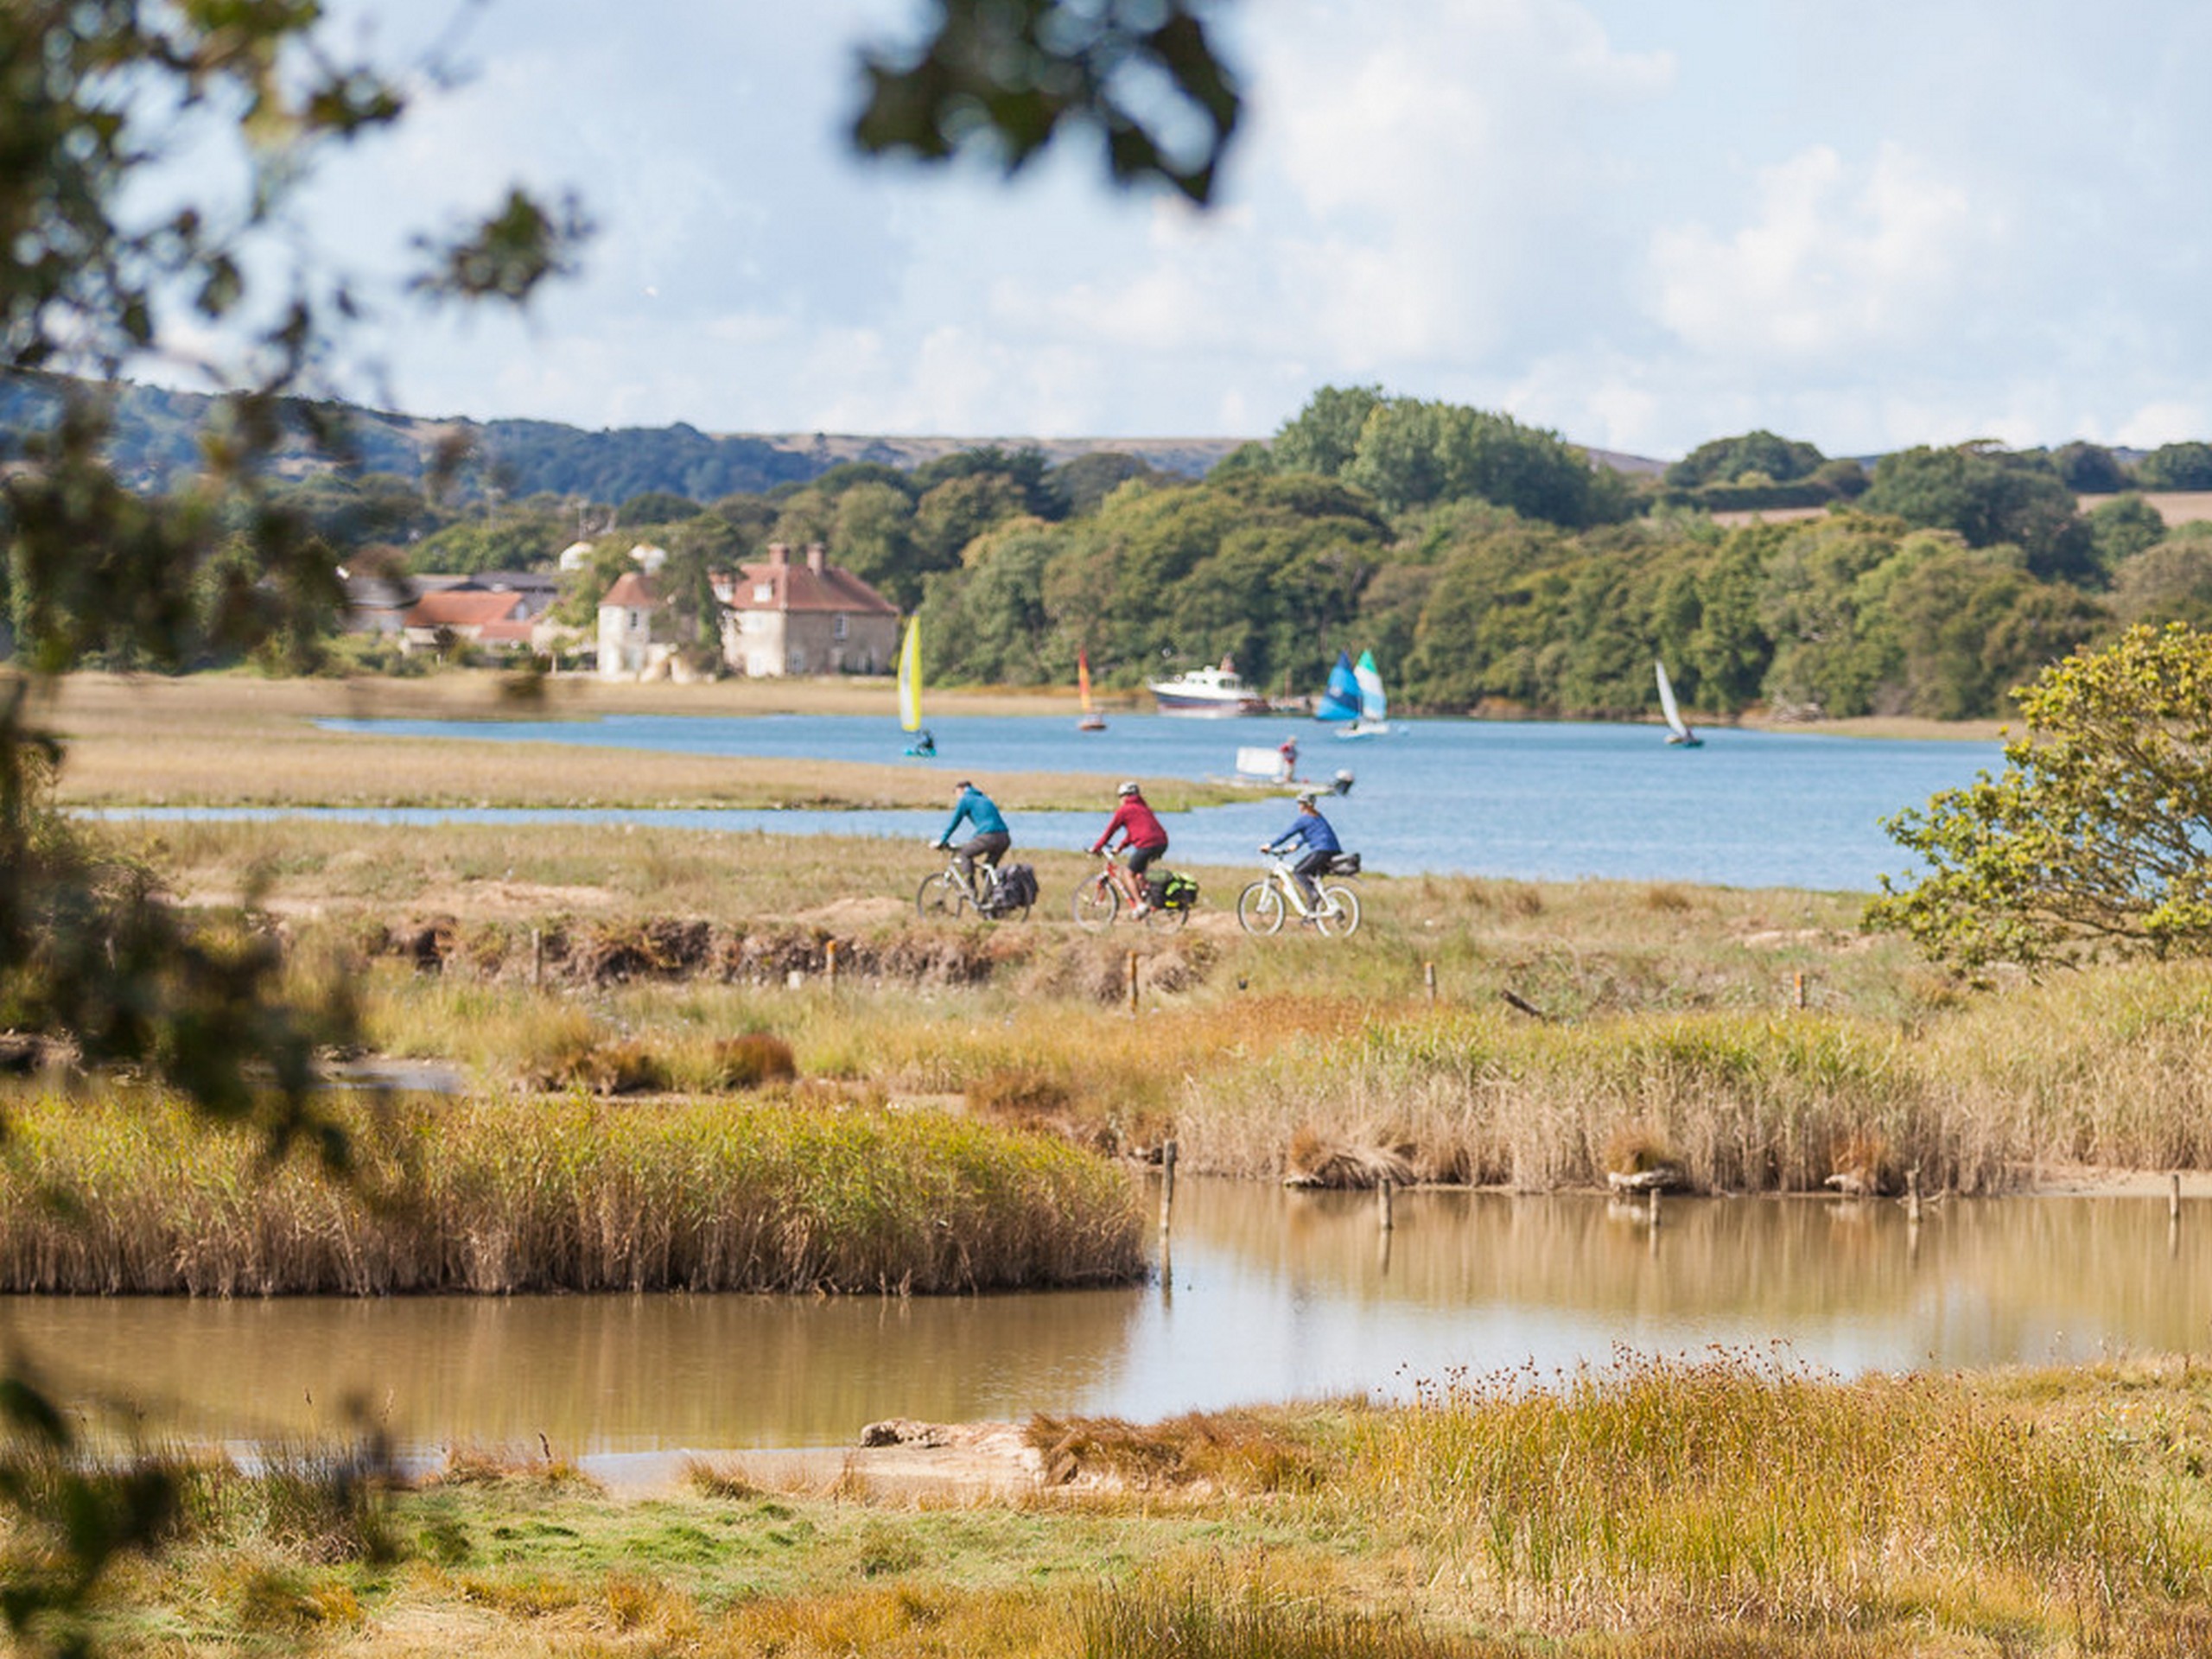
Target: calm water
1538 801
1267 1295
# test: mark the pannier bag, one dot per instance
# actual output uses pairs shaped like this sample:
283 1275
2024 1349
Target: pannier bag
1179 892
1344 864
1017 888
1155 891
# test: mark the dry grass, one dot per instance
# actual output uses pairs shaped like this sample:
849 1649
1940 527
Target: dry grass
239 740
497 1197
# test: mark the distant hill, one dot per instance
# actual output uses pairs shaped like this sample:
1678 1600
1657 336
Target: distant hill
157 433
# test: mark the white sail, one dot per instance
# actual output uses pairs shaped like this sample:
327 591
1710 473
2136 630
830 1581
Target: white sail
1374 706
1667 705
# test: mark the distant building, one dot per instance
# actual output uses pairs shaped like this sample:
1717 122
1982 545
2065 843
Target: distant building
815 617
377 604
497 621
635 635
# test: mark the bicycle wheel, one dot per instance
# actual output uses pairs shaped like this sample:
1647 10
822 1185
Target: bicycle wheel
1162 920
1338 916
1259 908
940 898
1095 903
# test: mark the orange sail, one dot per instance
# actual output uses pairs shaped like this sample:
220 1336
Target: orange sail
1092 721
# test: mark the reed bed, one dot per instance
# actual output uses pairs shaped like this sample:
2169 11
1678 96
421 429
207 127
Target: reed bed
1655 1490
566 1194
2111 1069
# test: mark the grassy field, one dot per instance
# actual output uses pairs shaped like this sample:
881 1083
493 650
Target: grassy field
1725 1507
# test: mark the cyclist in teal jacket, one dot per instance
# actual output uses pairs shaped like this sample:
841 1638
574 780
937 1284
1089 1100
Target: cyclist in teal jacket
991 839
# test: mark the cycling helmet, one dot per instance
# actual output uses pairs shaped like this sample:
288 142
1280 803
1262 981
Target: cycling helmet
1309 797
1127 789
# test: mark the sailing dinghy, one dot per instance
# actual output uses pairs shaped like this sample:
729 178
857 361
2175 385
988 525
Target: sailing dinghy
1677 734
1092 721
1374 706
910 690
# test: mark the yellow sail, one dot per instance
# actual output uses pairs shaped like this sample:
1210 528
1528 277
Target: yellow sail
910 677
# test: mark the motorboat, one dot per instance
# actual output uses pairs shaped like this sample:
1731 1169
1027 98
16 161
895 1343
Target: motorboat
1207 691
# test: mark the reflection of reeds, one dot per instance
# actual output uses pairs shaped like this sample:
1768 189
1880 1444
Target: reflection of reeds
566 1194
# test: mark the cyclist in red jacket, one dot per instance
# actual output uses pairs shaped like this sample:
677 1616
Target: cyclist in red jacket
1146 841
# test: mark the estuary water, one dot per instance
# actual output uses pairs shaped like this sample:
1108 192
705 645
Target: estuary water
1536 801
1266 1295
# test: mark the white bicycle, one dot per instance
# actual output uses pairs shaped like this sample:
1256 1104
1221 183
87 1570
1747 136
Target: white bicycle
1261 907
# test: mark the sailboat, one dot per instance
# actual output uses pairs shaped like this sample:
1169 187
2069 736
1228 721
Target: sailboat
909 689
1374 706
1092 721
1339 699
1677 734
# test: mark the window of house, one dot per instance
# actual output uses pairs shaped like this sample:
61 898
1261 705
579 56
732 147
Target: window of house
637 619
797 664
838 628
764 593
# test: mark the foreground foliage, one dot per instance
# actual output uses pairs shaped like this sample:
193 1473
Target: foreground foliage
2098 836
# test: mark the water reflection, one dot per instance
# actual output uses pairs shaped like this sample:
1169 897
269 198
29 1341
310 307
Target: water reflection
1266 1295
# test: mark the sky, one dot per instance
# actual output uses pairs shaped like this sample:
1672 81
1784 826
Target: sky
1641 223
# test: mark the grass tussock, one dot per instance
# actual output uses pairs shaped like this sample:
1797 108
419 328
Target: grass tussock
1235 1451
493 1196
753 1060
1195 1620
1657 1491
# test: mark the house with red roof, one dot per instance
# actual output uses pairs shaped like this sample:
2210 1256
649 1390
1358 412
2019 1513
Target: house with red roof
499 621
806 618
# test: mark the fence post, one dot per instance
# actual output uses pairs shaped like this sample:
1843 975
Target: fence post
829 965
1384 1217
1132 984
1429 976
537 958
1167 1154
1799 976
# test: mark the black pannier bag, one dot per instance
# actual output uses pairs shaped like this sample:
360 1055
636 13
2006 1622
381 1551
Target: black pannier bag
1344 864
1178 892
1017 888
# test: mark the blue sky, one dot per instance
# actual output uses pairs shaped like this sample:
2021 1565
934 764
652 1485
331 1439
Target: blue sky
1642 225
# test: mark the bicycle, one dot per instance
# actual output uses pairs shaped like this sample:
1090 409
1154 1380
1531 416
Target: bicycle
945 895
1262 905
1099 899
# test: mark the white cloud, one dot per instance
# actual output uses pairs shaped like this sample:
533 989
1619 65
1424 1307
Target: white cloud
1834 263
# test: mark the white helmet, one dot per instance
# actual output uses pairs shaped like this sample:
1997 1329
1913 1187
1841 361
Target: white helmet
1127 789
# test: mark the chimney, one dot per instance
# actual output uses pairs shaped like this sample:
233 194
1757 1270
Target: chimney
814 557
778 554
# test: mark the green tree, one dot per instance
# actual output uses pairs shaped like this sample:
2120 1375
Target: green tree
2097 837
1323 436
2121 528
2171 582
2088 468
2176 467
1988 495
872 536
1725 461
656 507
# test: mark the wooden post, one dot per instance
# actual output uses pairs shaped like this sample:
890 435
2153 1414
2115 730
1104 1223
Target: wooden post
1912 1195
829 965
1428 976
1800 990
1384 1217
2173 1199
537 958
1132 989
1167 1153
1654 1211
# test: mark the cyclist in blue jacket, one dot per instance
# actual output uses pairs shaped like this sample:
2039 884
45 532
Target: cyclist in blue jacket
1311 830
990 841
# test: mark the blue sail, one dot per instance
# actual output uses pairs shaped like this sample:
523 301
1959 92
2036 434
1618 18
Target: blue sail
1341 700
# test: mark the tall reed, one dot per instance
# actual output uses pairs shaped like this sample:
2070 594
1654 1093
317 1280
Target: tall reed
490 1195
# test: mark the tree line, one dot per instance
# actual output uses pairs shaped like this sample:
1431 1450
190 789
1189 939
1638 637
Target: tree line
1488 564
